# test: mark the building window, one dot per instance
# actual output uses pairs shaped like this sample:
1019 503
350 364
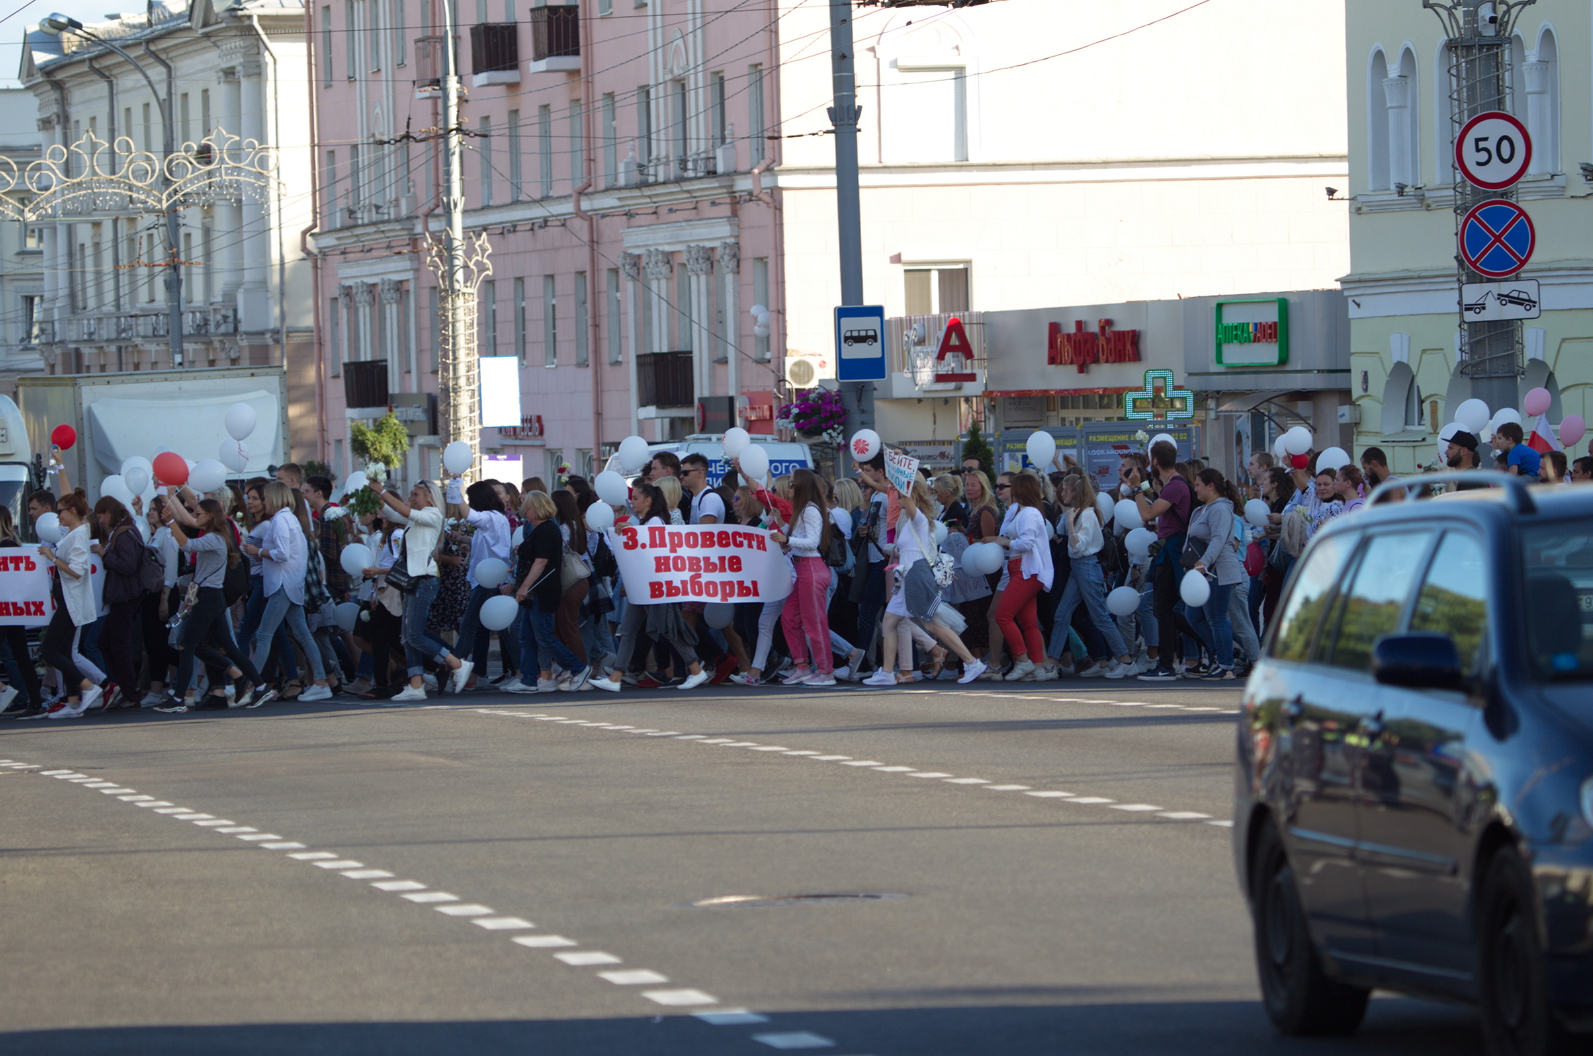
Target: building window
149 142
326 46
516 187
519 321
756 128
484 147
400 51
577 145
938 290
329 191
405 351
351 36
760 295
208 271
681 133
373 8
926 116
183 127
1540 75
334 336
716 100
610 142
644 124
550 322
605 7
582 321
489 318
615 353
1377 175
32 311
434 313
545 148
32 238
204 112
684 328
356 195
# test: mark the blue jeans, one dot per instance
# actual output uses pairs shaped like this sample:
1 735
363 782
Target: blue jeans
1212 622
253 609
1086 584
475 641
598 636
277 608
539 640
88 643
420 644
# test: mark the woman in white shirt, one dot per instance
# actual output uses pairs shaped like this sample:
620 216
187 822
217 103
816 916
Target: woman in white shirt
1029 574
1086 582
423 520
73 593
806 617
489 538
284 557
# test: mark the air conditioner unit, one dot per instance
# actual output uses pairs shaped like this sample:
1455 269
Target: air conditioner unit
804 370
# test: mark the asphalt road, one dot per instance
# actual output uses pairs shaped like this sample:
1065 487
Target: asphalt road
496 874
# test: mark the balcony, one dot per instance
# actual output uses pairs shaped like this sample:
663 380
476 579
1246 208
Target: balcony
365 383
555 39
105 326
494 53
664 380
428 67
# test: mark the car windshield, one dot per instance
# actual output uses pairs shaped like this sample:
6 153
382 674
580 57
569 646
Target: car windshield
11 495
1558 564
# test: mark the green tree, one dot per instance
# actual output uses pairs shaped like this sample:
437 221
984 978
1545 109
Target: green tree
976 447
387 442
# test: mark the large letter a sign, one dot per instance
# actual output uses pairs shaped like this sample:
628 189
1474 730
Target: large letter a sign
954 342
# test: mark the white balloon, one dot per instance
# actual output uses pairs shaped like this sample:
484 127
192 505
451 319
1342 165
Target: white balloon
1160 438
1124 601
1474 415
1505 414
348 615
1126 514
518 536
1195 589
136 478
983 559
1041 449
1139 541
233 455
116 488
499 612
865 445
633 453
735 441
611 488
1279 455
754 463
719 615
240 421
48 528
940 533
491 573
160 449
1297 441
1105 508
600 516
207 475
137 460
1257 511
356 480
457 457
1334 458
356 558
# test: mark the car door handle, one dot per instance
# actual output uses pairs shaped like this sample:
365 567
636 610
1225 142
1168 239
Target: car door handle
1293 709
1372 726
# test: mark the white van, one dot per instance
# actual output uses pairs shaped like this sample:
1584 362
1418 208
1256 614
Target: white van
783 457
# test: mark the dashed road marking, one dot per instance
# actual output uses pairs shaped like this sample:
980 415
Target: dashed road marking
584 958
800 1039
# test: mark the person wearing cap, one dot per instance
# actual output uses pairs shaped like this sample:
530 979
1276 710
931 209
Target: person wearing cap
1462 454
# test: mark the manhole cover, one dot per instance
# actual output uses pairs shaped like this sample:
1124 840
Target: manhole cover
756 901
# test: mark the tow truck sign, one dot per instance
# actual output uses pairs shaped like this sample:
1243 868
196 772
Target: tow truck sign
1482 302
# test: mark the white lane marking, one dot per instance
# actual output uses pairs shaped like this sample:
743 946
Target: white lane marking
1226 823
543 941
399 885
1135 808
966 781
155 803
431 896
1055 795
664 733
583 958
57 773
928 773
257 836
338 863
314 856
771 748
1006 788
236 829
622 727
193 817
284 845
367 874
634 977
731 1017
1093 799
799 1039
895 769
469 909
97 783
136 799
1205 709
650 729
680 998
830 758
690 736
800 751
502 923
174 810
213 824
865 762
1183 815
741 744
717 740
1180 707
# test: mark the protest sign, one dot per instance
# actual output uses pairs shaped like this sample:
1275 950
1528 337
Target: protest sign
25 586
659 564
900 469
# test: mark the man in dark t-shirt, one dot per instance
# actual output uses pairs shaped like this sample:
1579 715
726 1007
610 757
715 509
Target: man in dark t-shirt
1171 508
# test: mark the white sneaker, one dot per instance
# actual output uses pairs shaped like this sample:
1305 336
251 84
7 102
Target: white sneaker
797 677
883 676
410 693
1117 669
820 679
576 680
64 710
547 685
1095 670
317 693
1142 665
972 671
151 699
429 681
461 676
1045 674
843 673
606 684
89 700
1021 670
992 674
693 681
518 686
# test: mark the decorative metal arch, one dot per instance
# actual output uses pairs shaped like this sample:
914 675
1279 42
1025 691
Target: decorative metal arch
458 377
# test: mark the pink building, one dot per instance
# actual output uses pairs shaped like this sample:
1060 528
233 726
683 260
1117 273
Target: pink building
613 162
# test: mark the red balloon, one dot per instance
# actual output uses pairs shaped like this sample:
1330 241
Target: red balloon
170 469
1300 461
63 436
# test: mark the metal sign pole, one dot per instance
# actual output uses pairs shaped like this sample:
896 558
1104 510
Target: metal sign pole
856 396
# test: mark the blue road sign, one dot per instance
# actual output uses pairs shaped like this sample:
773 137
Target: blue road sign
860 343
1496 238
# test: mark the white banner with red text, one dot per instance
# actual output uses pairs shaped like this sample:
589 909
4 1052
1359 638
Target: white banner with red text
25 586
660 564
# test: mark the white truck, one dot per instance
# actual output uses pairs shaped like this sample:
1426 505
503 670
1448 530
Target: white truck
783 456
18 475
117 416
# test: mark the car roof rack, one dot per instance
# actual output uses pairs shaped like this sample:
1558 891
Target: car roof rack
1520 492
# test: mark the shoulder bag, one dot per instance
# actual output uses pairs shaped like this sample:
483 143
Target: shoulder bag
398 576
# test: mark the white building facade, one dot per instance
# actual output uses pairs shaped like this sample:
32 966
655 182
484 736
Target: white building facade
21 249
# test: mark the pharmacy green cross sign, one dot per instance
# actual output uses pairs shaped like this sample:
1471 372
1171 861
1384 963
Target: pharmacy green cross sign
1158 399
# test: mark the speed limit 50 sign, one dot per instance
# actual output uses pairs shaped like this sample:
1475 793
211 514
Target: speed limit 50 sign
1493 150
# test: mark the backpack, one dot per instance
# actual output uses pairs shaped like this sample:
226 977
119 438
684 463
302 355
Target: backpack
1111 555
603 563
235 585
152 571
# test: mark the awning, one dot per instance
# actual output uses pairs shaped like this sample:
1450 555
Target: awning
1240 402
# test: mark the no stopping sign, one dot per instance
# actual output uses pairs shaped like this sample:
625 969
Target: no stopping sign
1493 150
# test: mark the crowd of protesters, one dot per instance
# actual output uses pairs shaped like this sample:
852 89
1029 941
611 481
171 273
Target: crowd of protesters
239 597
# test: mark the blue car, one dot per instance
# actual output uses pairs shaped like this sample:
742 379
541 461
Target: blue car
1414 792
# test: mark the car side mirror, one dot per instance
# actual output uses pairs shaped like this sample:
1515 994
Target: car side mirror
1419 661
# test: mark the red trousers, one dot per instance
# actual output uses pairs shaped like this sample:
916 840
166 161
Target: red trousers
805 617
1016 616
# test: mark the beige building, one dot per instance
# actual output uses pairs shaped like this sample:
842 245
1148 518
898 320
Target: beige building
21 249
1402 288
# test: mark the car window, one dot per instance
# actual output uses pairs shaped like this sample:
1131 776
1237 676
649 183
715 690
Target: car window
1313 586
1559 598
1375 601
1454 598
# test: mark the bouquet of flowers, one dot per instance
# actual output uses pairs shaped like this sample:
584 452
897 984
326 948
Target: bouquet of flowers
815 412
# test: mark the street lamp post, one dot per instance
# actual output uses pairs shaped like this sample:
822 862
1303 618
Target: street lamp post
57 24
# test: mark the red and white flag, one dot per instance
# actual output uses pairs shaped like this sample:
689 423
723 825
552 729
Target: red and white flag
1543 439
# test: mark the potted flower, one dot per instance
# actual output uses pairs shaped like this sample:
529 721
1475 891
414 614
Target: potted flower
815 413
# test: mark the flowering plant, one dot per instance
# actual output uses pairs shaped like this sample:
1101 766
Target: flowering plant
815 412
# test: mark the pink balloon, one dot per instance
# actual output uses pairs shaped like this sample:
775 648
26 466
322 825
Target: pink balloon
1572 429
1537 402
